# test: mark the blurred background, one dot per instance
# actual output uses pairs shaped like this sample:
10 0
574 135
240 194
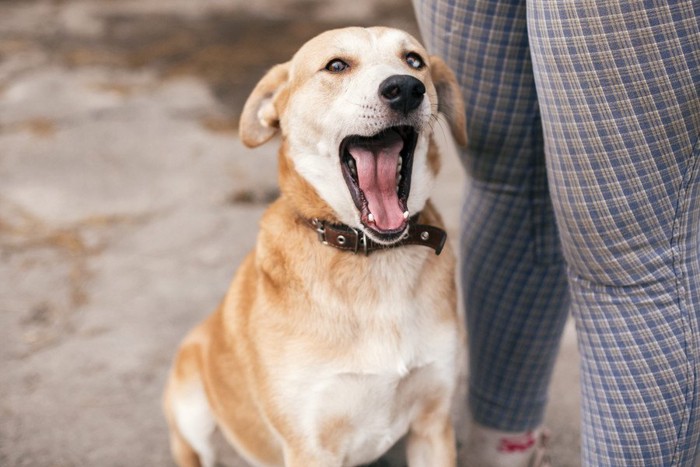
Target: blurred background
127 202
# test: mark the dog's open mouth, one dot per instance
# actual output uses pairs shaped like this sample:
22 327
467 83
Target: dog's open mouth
377 170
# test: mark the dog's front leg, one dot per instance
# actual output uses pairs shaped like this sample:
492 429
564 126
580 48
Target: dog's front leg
431 442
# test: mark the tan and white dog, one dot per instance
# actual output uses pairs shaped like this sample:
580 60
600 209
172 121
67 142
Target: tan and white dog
318 356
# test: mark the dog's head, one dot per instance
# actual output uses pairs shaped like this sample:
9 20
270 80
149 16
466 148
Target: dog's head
356 108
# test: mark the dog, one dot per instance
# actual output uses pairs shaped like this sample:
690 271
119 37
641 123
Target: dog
339 334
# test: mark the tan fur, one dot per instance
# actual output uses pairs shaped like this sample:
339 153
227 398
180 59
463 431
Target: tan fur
301 317
451 104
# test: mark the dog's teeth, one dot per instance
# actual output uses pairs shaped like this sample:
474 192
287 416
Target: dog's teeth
406 214
370 217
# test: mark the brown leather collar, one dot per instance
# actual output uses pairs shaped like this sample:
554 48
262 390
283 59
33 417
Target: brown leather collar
346 238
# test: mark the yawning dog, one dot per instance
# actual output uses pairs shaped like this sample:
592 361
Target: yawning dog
339 333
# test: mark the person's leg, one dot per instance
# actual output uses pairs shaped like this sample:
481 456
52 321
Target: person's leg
513 276
618 85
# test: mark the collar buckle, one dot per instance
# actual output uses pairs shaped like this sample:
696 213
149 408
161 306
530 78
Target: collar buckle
320 230
364 241
360 239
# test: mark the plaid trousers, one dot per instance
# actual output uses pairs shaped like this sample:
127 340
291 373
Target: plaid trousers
583 195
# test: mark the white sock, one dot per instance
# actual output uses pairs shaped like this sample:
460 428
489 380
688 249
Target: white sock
487 447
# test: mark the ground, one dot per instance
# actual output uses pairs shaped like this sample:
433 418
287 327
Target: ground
127 202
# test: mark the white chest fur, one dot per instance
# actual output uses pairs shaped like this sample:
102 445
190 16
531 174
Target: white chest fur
396 356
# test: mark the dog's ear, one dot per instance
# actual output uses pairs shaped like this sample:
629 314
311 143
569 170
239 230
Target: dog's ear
450 102
260 117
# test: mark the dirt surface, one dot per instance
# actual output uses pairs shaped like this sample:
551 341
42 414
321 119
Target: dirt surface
127 201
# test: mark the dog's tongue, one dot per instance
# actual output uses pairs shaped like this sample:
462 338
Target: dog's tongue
376 170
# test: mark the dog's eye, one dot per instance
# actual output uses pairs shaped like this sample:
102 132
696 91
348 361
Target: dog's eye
336 65
414 60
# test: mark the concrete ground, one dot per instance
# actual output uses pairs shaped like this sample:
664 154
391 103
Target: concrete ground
127 201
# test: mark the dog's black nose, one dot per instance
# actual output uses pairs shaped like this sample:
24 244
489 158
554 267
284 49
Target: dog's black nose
403 93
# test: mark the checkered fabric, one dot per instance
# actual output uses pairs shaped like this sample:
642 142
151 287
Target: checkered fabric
610 89
513 279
